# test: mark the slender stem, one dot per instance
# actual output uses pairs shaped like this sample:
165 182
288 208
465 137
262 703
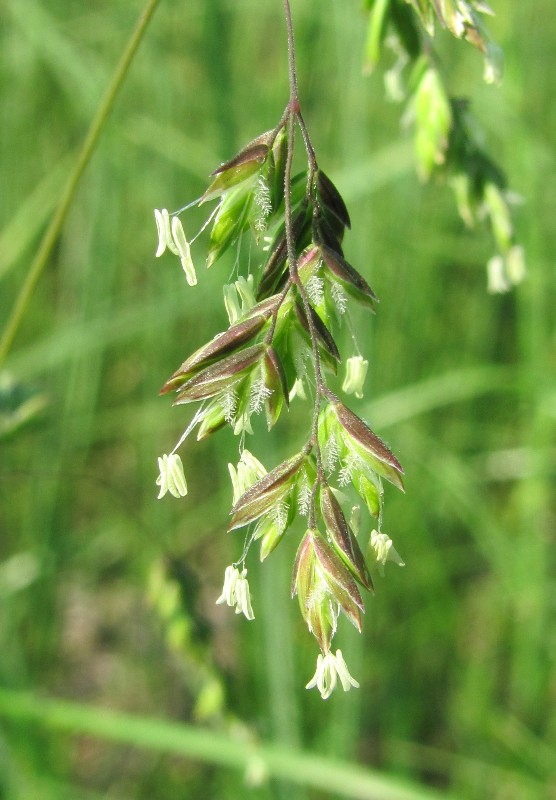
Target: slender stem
291 53
293 116
308 145
53 231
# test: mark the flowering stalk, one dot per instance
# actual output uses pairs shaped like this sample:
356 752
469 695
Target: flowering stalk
282 318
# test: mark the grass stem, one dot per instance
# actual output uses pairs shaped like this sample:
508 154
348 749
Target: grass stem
321 772
53 231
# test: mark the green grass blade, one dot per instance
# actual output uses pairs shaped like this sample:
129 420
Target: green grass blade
97 125
348 780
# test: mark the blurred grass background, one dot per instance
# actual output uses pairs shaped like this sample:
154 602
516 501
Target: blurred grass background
106 595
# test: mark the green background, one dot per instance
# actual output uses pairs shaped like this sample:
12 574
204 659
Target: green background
106 594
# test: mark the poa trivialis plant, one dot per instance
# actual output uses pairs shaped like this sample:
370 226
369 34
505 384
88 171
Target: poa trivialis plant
448 142
285 310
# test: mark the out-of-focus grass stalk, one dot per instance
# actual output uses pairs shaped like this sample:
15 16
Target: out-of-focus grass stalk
53 231
347 779
29 218
530 549
530 673
444 762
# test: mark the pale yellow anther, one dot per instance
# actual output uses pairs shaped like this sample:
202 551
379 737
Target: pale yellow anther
165 240
356 371
236 592
184 251
171 476
330 667
384 550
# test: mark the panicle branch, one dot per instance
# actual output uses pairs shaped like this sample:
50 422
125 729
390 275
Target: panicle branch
285 315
